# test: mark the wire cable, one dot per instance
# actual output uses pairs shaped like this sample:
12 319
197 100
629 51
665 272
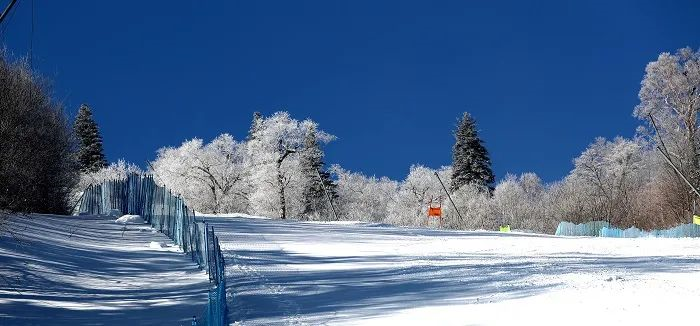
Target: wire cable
7 21
31 41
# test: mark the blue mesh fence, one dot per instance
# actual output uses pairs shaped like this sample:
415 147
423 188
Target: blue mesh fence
140 195
590 229
604 229
216 309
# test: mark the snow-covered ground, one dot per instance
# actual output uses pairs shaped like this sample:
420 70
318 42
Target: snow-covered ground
286 272
86 270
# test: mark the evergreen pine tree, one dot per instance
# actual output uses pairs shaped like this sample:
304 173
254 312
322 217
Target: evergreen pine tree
255 125
311 161
90 153
470 159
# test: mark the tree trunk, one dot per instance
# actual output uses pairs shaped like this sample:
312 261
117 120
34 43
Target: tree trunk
280 180
280 187
216 201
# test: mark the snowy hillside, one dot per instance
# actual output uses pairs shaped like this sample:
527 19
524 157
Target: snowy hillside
83 270
286 272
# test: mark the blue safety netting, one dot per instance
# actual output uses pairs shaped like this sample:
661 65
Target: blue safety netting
604 229
167 213
216 309
590 229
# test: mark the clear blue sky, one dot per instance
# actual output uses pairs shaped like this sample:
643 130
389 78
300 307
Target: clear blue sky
388 78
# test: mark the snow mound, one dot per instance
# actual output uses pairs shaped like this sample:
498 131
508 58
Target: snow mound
136 219
164 246
157 245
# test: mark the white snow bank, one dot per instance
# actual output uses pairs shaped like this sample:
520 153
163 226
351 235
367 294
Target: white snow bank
156 245
135 219
241 215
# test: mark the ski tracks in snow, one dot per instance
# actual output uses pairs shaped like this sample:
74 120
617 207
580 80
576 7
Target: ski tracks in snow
256 277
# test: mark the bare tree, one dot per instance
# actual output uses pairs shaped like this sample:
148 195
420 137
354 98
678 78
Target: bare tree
37 151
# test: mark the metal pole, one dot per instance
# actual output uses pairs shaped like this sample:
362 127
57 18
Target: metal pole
450 197
323 185
665 154
677 171
661 141
7 10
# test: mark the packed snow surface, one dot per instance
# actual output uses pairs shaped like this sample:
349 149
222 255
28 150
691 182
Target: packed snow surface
135 219
203 215
287 272
87 270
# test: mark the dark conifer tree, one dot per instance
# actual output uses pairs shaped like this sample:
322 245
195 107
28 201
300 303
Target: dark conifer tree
314 196
470 159
91 155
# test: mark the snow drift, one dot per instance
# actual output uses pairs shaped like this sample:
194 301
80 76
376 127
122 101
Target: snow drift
130 219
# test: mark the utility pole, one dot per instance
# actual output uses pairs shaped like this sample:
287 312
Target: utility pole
450 197
7 10
664 152
327 195
668 160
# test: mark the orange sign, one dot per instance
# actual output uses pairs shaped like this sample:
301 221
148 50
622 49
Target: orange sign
435 211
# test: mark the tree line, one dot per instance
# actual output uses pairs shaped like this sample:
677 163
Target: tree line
278 169
624 181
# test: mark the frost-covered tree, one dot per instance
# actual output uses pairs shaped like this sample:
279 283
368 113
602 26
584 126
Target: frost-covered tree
115 171
670 92
420 189
611 173
275 166
223 167
317 184
470 159
363 198
564 203
255 125
474 207
210 177
520 202
508 201
90 152
654 203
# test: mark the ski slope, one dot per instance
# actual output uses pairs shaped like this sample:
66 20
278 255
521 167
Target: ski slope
86 270
301 273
